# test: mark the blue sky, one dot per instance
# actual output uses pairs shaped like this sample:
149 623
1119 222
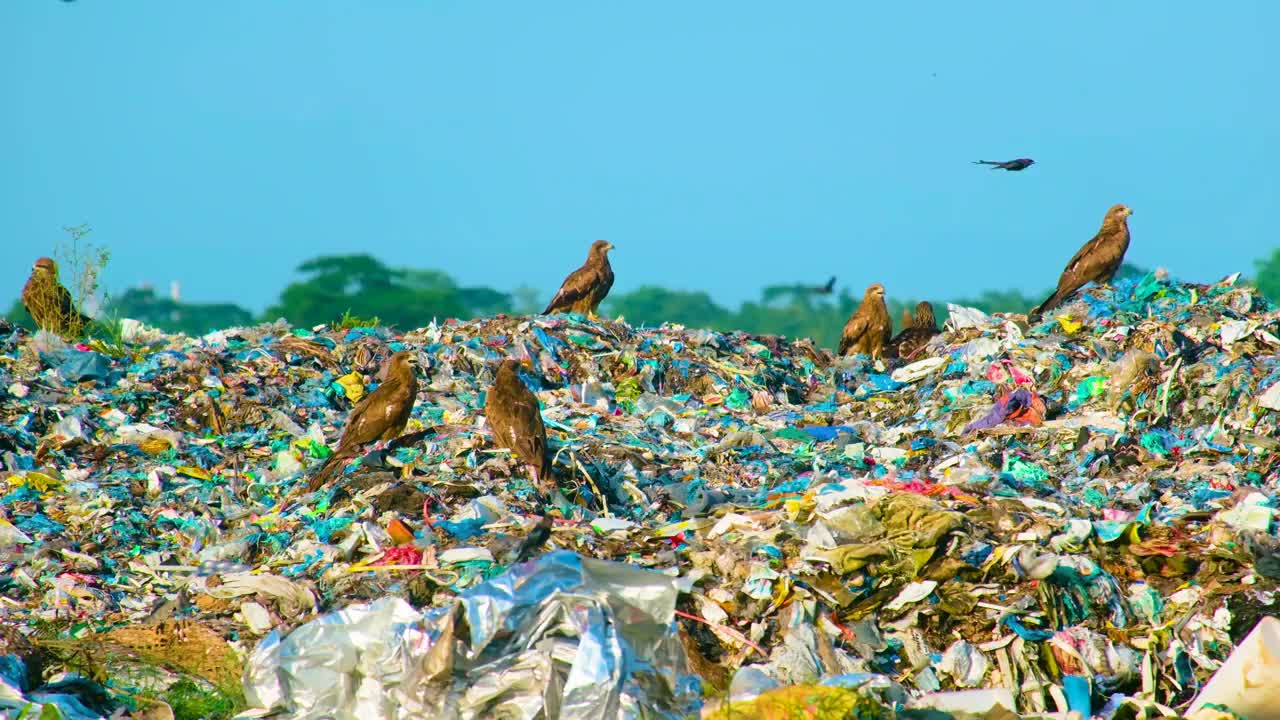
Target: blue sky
719 145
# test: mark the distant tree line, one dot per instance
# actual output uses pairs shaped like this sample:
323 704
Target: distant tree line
359 289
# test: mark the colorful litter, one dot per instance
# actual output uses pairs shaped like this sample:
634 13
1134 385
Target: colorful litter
1076 515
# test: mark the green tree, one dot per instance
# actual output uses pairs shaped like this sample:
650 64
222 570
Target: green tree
363 286
142 304
1130 271
801 316
651 305
526 300
1268 279
994 301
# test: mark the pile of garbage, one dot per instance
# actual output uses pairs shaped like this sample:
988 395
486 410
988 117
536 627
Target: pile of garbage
1077 515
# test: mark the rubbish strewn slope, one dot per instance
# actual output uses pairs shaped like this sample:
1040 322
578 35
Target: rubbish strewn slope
1087 501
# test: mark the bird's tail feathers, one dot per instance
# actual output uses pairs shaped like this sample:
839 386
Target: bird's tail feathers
547 475
328 470
1049 303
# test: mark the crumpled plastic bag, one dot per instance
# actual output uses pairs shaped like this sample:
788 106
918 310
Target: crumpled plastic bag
137 332
1021 407
562 637
78 366
959 317
291 596
48 701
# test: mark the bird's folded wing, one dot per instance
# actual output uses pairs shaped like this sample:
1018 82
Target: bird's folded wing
575 287
375 412
64 300
1087 256
856 327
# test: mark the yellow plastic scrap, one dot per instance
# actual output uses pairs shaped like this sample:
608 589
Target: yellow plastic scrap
921 557
1071 327
352 386
155 445
781 593
195 472
914 520
845 559
810 702
37 481
797 509
1135 536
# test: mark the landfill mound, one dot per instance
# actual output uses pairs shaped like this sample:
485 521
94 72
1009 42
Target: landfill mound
1077 514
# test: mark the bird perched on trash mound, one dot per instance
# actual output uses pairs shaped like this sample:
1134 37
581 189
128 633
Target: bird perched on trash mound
869 326
380 415
513 414
915 334
1097 261
586 287
49 303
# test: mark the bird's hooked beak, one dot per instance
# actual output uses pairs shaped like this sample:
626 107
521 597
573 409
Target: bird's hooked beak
608 246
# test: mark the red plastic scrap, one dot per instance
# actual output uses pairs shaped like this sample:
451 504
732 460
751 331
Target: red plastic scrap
400 555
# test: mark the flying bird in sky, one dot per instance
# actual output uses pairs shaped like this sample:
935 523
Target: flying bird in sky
1014 165
869 326
587 286
826 289
49 303
1097 261
512 412
380 415
916 332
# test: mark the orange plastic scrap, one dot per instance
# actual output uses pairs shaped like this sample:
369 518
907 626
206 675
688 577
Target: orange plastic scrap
1031 413
399 532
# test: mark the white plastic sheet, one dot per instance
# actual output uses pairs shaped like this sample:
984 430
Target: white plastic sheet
564 637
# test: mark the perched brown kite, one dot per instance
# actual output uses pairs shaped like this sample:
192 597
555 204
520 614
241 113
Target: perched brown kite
49 303
380 415
511 410
587 286
869 327
1097 261
916 332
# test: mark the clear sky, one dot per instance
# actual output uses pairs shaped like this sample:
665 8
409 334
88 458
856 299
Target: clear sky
720 145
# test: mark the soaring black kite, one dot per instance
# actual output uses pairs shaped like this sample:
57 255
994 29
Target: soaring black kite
1012 165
